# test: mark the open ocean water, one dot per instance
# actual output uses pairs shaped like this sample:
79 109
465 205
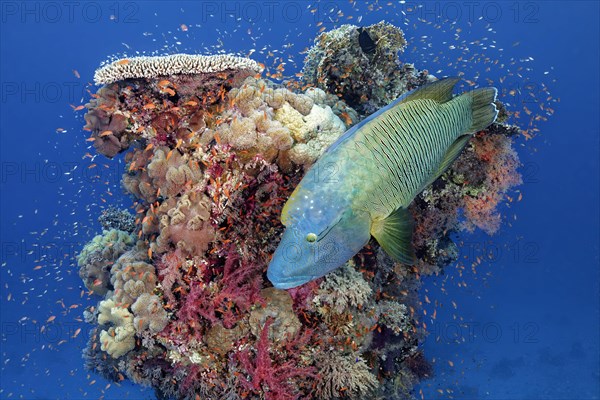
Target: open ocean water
524 324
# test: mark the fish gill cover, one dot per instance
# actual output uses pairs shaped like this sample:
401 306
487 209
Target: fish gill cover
214 149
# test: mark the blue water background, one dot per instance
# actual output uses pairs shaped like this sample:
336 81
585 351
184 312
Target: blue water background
525 326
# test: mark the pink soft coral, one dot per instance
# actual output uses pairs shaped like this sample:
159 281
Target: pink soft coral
501 163
238 290
274 380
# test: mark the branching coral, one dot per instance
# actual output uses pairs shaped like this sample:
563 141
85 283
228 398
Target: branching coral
394 315
343 288
113 218
344 376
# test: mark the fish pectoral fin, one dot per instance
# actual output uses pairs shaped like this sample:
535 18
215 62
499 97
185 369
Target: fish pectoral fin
451 155
394 234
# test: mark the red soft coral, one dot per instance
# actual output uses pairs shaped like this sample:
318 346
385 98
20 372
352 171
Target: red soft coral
272 379
237 291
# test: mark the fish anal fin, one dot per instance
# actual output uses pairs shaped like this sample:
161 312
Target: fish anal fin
451 155
394 235
440 91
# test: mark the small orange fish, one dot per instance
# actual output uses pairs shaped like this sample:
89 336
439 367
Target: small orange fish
52 318
123 62
149 106
106 133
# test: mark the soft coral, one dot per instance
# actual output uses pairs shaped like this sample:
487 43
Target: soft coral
268 377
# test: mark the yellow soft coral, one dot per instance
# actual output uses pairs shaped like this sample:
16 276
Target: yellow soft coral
119 339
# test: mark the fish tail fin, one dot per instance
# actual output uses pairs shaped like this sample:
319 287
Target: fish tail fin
483 108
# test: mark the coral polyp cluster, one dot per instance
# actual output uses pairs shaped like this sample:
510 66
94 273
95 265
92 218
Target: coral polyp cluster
212 157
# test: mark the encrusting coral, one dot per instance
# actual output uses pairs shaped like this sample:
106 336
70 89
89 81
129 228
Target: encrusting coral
214 152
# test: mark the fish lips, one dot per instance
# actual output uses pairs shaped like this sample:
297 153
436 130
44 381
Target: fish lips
289 283
291 261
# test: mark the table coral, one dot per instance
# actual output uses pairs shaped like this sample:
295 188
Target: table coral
174 64
213 154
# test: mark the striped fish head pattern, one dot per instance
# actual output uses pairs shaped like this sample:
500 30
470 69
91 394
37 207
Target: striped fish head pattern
317 240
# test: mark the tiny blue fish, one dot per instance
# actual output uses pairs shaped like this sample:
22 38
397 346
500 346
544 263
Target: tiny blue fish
364 182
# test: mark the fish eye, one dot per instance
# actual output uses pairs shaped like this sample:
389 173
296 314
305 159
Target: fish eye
311 237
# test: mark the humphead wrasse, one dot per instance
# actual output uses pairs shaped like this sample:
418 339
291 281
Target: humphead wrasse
363 184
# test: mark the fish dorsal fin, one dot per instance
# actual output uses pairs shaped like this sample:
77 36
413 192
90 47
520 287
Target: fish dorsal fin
451 155
394 235
440 91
